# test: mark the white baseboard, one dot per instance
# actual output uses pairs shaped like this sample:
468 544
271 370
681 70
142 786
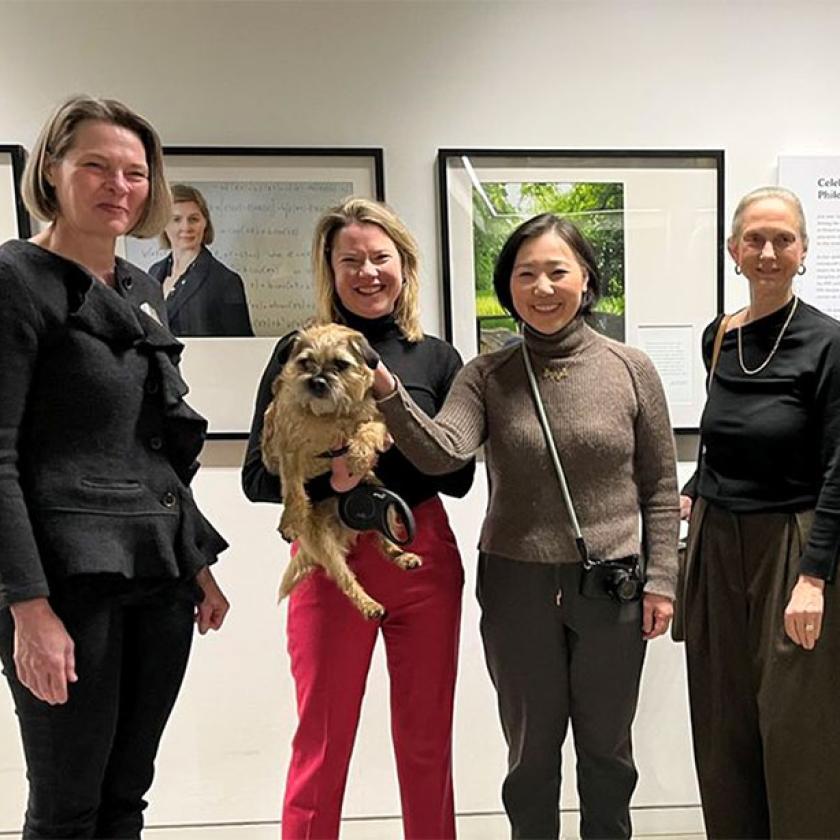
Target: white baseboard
671 823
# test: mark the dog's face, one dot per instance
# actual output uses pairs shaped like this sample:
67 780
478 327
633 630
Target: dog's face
326 372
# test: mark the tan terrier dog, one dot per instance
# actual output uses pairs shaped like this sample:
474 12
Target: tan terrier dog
323 395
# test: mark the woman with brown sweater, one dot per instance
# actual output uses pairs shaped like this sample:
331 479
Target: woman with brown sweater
556 655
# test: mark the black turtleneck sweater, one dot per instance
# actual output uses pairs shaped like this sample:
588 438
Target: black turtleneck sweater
426 368
772 440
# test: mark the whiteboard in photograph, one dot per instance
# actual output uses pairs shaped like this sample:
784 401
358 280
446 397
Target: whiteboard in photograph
250 279
654 219
14 220
816 180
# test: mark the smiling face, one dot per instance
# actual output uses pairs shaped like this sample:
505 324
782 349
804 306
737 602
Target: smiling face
547 283
367 269
186 229
769 246
102 182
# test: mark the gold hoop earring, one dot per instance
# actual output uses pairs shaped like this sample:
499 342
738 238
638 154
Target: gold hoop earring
737 268
802 269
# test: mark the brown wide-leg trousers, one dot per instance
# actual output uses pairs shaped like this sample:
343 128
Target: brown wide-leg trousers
765 712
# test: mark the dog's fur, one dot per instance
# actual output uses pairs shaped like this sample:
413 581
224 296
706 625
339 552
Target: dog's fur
323 394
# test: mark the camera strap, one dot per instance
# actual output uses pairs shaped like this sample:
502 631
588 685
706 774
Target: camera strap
555 457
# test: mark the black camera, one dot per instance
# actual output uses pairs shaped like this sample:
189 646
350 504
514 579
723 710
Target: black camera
619 580
370 508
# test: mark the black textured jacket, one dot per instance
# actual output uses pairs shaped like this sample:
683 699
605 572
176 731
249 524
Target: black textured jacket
97 446
208 299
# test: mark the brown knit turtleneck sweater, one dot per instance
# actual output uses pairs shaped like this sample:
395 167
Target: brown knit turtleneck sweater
609 418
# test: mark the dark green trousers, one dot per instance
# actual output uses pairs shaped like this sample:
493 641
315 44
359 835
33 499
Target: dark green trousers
765 712
551 662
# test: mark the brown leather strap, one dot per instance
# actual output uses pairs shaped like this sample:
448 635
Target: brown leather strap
721 331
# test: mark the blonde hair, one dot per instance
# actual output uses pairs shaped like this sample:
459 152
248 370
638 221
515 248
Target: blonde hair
184 192
788 196
56 139
366 211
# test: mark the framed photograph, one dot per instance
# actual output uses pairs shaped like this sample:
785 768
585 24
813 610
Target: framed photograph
14 220
655 221
234 263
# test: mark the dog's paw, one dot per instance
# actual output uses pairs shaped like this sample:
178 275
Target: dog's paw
408 561
360 460
372 610
287 528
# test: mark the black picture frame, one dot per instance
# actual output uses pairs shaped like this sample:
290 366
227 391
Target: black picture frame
648 199
14 219
248 189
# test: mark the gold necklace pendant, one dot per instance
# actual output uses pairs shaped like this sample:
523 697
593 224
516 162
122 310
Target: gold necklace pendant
555 374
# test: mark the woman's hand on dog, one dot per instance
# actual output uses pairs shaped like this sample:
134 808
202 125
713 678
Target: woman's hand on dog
341 479
210 613
44 652
384 382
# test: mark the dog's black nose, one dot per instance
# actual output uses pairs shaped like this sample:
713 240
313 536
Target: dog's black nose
318 385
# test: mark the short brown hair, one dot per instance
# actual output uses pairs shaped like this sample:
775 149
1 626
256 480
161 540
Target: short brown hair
56 139
184 192
366 211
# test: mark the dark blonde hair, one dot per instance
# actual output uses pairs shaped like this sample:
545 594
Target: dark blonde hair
56 139
366 211
184 192
788 196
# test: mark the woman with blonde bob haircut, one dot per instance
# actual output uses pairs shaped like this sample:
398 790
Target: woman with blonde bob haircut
58 136
105 561
367 276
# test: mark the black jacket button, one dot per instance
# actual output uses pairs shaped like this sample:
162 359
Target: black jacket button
168 500
127 282
155 443
152 386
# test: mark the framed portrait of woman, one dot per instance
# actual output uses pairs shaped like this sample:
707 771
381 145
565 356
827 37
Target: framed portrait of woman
234 262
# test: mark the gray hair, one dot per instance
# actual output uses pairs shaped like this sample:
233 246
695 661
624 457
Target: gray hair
788 196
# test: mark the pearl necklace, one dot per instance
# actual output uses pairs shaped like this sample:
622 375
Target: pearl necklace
772 353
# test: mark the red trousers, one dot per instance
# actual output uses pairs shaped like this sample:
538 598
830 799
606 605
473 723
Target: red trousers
330 645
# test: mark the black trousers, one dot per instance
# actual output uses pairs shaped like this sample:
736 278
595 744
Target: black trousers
764 711
91 760
555 660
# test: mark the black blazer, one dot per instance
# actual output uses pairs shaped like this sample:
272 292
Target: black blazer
208 299
97 446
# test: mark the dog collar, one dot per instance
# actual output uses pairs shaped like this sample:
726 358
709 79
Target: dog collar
335 453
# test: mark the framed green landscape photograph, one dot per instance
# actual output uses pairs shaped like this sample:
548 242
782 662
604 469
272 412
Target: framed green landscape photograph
654 219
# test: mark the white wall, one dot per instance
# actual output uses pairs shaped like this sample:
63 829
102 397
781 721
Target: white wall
410 77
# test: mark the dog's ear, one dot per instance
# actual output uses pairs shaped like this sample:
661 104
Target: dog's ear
366 352
293 347
268 448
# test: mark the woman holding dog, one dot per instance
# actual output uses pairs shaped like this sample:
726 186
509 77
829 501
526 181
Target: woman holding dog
556 651
105 557
761 625
366 276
